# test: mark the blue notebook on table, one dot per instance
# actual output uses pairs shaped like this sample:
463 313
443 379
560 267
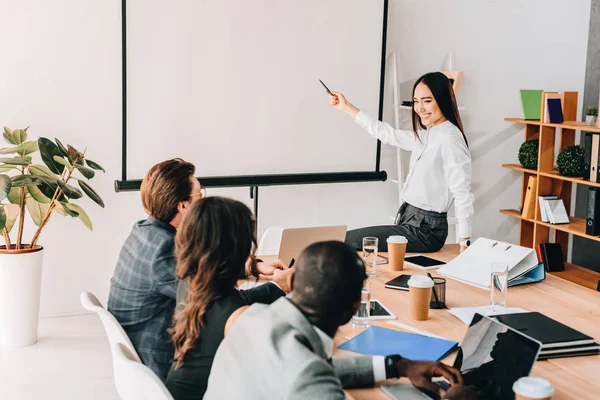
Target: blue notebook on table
377 341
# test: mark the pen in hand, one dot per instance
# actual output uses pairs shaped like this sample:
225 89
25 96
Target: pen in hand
326 88
292 263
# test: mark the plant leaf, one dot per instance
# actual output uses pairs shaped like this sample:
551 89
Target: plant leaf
25 180
74 154
8 150
85 171
36 210
20 135
8 135
94 165
41 170
70 212
6 168
2 218
62 161
5 186
26 148
82 214
37 194
14 161
59 208
12 213
70 191
61 148
87 189
14 196
48 186
48 150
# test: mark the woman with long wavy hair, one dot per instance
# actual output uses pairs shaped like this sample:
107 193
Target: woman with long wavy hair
439 173
212 246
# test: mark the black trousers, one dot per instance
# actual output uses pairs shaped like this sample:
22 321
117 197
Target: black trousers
426 231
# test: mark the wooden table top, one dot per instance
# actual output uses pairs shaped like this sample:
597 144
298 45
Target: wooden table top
566 302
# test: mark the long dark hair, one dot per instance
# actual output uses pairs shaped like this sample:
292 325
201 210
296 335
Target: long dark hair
212 245
443 93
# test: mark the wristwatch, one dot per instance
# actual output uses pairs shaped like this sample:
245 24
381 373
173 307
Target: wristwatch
391 371
466 242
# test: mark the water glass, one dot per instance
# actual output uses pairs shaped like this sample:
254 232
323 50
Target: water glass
498 284
370 246
360 319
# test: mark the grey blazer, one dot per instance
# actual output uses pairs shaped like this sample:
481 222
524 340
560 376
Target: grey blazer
273 352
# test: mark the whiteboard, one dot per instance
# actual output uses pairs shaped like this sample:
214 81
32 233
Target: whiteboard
232 85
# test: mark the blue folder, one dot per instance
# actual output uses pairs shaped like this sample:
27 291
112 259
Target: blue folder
536 274
377 341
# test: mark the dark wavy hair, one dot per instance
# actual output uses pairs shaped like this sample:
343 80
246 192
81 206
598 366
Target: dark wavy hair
443 93
212 245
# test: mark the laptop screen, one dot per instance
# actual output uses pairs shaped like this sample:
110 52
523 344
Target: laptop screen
493 356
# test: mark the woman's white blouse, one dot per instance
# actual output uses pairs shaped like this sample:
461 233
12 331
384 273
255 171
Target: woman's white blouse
440 168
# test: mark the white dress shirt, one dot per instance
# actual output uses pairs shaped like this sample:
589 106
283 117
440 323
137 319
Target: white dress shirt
440 168
378 361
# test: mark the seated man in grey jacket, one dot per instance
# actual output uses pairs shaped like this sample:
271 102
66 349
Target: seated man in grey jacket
284 351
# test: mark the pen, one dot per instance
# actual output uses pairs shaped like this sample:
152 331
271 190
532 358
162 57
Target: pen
292 263
435 296
326 88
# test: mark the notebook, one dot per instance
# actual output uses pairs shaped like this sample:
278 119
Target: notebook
377 341
552 256
555 111
551 333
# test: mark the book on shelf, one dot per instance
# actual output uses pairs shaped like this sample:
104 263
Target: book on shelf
531 103
555 114
543 209
553 210
528 210
545 117
551 256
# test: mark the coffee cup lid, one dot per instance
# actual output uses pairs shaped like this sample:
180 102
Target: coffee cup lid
420 281
533 387
397 239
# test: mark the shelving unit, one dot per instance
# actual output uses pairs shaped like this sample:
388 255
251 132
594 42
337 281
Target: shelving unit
549 181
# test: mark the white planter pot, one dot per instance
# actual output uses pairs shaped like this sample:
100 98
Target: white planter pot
20 285
590 120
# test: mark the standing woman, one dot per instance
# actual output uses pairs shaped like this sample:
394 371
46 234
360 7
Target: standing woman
440 168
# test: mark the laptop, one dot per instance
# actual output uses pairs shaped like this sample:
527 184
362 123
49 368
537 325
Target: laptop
294 240
491 357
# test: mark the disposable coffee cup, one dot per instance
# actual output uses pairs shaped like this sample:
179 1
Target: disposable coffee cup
396 252
419 287
533 388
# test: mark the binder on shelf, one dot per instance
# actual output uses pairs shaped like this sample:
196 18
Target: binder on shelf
472 266
592 222
587 143
594 158
531 103
528 211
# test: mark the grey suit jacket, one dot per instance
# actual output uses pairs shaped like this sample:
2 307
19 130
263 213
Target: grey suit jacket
273 352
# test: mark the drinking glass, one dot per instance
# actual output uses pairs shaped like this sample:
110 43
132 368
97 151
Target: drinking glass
498 284
360 319
370 246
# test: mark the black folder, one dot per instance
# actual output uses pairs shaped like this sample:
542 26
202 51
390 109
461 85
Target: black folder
551 333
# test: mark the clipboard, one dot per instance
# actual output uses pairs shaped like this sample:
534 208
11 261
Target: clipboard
472 266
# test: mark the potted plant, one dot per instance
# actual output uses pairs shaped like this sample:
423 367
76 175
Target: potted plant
591 115
40 189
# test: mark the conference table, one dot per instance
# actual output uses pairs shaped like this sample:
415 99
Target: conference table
566 302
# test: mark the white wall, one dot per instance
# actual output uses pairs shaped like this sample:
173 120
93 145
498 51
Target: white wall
502 46
60 74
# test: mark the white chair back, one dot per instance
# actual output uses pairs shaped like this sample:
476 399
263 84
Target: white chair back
135 381
113 329
270 242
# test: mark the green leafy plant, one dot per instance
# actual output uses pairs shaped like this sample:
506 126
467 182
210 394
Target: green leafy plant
528 154
592 110
571 161
42 188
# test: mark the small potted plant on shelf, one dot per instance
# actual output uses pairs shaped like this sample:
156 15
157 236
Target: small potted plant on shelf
591 115
39 189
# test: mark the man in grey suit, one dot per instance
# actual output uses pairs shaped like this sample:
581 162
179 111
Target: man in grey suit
284 351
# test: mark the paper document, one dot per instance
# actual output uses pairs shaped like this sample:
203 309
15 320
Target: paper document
466 314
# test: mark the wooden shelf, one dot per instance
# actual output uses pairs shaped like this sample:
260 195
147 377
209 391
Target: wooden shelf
576 227
579 275
575 125
554 175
